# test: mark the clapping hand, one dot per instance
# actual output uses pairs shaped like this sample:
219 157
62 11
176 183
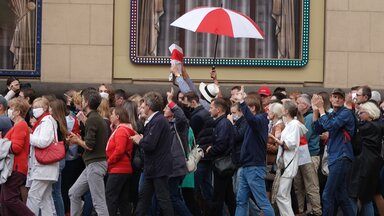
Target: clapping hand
73 138
317 102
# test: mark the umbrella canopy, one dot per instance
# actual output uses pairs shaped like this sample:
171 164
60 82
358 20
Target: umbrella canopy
219 21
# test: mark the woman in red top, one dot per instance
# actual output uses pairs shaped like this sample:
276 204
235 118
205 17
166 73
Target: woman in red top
119 154
10 196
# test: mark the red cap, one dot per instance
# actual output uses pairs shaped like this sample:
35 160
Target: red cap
177 52
264 90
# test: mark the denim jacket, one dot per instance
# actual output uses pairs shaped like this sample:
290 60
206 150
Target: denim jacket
335 122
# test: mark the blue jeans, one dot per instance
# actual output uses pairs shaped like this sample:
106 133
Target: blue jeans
252 180
253 209
56 192
336 189
367 209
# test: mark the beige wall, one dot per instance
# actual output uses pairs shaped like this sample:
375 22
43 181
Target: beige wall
78 47
354 45
77 38
310 74
87 41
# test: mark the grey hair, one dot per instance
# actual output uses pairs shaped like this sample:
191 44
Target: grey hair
372 109
306 99
291 107
154 100
277 109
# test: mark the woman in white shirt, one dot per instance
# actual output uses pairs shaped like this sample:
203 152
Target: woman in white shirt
287 157
41 176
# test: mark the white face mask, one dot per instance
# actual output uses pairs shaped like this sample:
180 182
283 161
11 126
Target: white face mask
10 112
104 95
235 117
37 112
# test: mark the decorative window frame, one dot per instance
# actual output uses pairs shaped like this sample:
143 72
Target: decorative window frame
224 61
36 71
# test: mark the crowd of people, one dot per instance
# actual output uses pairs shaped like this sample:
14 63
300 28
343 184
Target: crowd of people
290 153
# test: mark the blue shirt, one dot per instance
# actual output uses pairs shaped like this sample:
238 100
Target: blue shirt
335 122
5 124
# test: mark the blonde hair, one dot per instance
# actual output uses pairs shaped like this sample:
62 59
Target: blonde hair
76 98
103 108
372 109
20 105
43 102
136 98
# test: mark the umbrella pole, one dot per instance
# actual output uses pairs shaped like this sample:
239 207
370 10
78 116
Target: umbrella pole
214 57
217 40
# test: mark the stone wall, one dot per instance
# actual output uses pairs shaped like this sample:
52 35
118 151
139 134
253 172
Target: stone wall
77 38
354 45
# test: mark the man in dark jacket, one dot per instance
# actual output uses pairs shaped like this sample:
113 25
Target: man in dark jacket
253 156
240 125
202 125
156 144
179 136
221 146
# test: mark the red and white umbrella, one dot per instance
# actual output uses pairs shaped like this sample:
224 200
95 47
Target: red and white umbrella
219 21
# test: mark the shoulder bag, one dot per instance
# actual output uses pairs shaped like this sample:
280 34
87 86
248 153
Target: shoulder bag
52 153
194 155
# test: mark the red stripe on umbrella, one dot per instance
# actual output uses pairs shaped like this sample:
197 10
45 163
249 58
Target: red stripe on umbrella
222 26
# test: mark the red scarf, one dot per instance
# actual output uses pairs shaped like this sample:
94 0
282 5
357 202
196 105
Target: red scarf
39 120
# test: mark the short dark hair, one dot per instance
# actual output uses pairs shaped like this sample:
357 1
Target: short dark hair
279 96
154 101
29 93
279 90
220 103
92 97
236 105
366 91
191 96
121 93
11 79
238 88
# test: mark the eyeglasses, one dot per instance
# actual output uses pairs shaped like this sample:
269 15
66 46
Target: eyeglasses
359 94
361 113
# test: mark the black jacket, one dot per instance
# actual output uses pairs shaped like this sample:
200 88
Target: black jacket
156 144
198 118
239 129
223 138
364 182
